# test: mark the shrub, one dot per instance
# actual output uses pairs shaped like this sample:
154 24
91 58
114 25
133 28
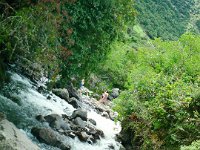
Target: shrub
163 87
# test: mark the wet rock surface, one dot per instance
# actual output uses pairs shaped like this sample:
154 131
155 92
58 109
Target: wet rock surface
80 113
74 102
12 138
62 93
76 125
73 92
50 137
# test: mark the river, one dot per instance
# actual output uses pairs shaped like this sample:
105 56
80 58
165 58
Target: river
21 102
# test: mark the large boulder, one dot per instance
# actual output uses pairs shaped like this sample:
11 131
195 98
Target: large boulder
60 124
40 118
55 121
80 113
74 102
49 137
73 92
79 122
12 138
52 117
62 93
115 92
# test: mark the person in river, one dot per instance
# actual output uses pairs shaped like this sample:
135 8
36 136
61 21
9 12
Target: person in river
104 97
82 88
82 83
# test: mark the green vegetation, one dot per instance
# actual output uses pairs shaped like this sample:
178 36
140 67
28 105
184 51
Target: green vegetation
166 19
68 37
114 70
194 146
29 31
95 24
161 104
194 23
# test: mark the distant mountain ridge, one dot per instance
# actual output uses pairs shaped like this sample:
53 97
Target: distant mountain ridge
194 23
168 19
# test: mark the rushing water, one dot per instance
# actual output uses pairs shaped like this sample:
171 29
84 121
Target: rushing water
21 102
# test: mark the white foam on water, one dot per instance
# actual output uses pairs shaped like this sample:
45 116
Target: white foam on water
59 106
21 79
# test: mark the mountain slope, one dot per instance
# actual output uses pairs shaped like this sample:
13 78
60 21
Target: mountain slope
166 19
194 24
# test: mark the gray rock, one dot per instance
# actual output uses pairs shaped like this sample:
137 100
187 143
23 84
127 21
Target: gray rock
52 117
41 89
92 121
96 134
55 121
115 92
64 146
62 93
74 102
100 132
12 138
105 114
83 136
49 137
91 139
40 118
111 146
48 97
60 124
79 122
80 113
70 134
73 92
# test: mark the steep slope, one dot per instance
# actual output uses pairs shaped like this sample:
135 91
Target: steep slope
194 24
166 19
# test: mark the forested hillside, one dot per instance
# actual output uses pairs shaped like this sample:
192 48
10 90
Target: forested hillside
160 108
194 24
67 37
142 47
166 19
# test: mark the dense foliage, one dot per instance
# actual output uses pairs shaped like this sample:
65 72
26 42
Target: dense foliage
28 31
67 37
194 23
161 104
166 19
114 70
95 25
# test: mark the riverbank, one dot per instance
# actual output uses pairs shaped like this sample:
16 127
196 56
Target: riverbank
52 123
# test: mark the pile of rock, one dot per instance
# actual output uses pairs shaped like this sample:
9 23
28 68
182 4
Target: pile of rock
76 125
70 95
